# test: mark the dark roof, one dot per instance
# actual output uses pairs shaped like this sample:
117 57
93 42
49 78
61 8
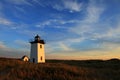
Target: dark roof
40 41
37 40
24 57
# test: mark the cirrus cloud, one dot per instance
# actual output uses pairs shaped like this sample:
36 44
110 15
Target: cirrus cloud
71 5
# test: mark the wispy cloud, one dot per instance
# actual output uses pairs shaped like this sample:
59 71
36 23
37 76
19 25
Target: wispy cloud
20 9
92 16
9 24
5 21
71 5
110 35
19 2
1 6
22 44
94 11
30 33
105 51
63 46
83 33
2 45
6 51
87 28
56 23
39 2
80 55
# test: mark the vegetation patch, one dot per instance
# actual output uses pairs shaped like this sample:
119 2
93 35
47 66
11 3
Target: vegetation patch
15 69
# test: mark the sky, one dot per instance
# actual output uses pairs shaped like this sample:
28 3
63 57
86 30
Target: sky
72 29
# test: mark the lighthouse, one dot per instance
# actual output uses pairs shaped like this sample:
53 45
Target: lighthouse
37 53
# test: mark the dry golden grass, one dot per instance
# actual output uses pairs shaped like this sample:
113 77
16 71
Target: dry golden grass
14 69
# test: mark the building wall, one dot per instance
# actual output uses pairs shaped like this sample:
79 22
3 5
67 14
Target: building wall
37 53
41 53
33 53
26 59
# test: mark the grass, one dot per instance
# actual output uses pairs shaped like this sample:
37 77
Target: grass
14 69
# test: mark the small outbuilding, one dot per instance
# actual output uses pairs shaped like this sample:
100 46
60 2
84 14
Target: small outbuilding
25 58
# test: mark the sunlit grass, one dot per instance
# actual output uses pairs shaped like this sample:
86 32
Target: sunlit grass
14 69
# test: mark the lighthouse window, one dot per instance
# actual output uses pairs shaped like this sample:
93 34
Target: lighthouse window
41 58
40 46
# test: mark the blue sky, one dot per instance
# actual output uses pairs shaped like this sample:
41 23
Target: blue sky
72 29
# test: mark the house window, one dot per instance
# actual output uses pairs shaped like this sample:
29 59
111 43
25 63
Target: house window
41 58
40 46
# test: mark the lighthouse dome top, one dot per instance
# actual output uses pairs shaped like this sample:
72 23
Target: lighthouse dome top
37 40
37 36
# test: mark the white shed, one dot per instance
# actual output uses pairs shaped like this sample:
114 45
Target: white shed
25 58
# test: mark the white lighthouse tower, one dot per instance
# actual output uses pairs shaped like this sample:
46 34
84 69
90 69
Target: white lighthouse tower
37 54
